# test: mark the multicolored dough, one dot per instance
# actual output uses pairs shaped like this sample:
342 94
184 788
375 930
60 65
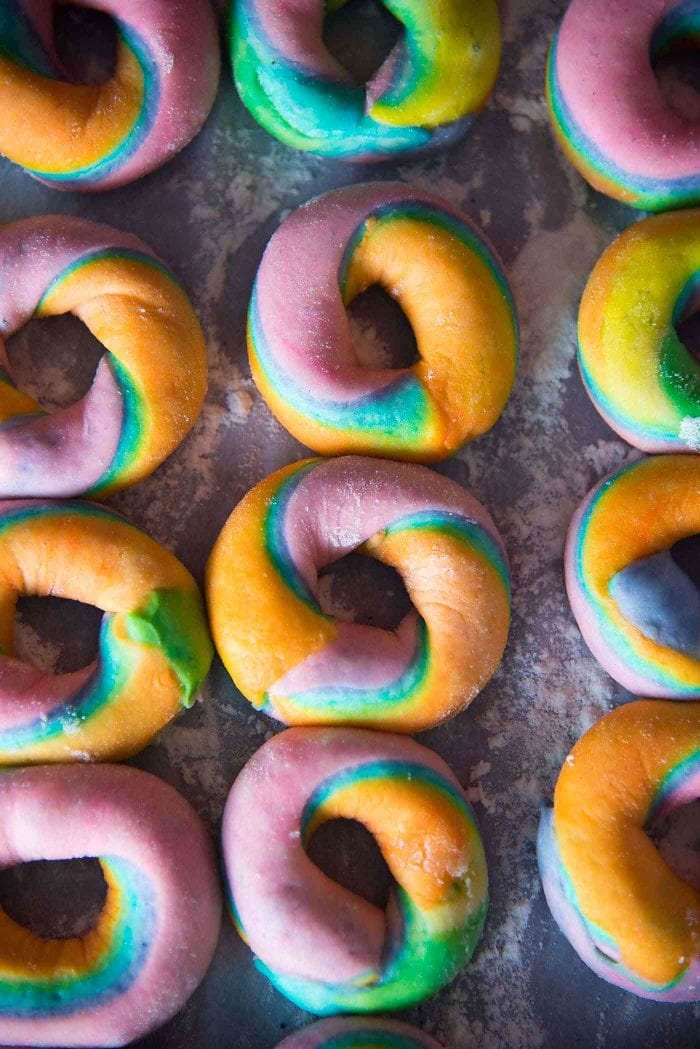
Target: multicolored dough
606 106
94 137
148 390
159 924
425 95
302 666
359 1033
639 375
630 918
444 276
638 611
154 649
326 949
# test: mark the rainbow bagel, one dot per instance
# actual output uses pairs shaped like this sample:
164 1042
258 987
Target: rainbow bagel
154 647
606 108
630 918
638 611
359 1033
304 667
448 282
147 391
159 924
425 95
323 947
93 137
639 375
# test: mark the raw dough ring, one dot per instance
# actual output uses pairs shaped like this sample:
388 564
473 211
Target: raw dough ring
148 389
301 665
359 1033
154 649
453 290
425 96
638 611
630 918
159 925
606 107
326 949
94 137
639 375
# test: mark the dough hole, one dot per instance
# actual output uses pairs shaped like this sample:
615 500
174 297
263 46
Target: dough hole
381 332
347 853
677 837
54 360
360 589
54 899
56 635
678 76
86 42
360 36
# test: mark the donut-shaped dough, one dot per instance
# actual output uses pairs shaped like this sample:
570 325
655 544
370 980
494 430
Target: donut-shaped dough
639 375
606 106
359 1033
638 611
425 95
447 280
154 649
630 918
158 928
94 137
302 666
326 949
147 392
